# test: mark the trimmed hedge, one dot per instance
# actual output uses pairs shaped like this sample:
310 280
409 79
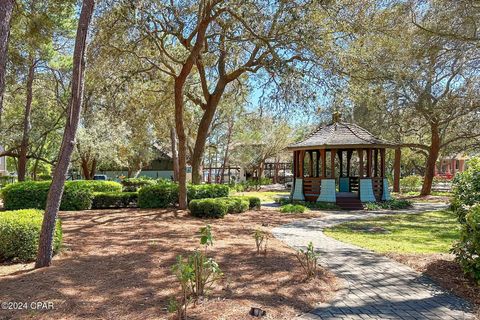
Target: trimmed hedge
292 208
103 200
134 184
236 204
208 208
158 196
253 202
19 234
165 194
78 195
204 191
217 207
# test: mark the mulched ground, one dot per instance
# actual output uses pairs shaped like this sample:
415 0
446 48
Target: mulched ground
117 265
447 273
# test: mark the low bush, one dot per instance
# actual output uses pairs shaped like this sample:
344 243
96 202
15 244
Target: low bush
134 184
253 202
208 208
292 208
19 234
204 191
236 204
411 183
161 195
103 200
467 249
466 205
394 204
77 194
311 205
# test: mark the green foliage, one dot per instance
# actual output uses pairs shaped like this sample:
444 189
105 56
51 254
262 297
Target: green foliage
261 240
44 177
165 193
208 208
466 189
19 234
308 260
411 183
466 205
467 249
134 184
236 204
253 202
158 196
292 208
103 200
77 194
393 204
204 191
206 237
311 205
196 273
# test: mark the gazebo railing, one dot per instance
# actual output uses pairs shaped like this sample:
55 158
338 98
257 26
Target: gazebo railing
311 187
377 184
354 184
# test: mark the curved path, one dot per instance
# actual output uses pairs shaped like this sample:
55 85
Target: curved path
376 287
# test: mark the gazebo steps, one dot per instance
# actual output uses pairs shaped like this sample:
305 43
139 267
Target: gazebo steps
349 203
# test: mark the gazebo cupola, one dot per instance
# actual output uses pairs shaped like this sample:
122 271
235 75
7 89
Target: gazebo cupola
323 164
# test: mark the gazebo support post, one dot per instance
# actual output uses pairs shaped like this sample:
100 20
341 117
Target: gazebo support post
396 170
369 163
360 162
349 159
340 158
332 163
375 162
382 163
311 163
318 163
324 162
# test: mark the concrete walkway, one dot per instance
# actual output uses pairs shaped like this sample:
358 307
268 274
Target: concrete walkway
375 286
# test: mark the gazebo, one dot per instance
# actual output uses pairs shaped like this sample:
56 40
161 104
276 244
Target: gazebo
323 171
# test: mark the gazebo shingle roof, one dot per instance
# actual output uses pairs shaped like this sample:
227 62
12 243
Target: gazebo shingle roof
341 134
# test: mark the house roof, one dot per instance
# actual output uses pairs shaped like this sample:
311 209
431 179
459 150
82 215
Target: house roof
341 135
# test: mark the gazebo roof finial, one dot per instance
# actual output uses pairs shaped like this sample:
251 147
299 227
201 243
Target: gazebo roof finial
336 116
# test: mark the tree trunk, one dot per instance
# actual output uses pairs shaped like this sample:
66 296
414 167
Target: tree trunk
22 159
227 149
44 256
6 8
431 161
173 140
182 143
85 168
202 133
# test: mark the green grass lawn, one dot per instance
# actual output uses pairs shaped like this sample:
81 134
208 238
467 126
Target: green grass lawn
431 232
265 196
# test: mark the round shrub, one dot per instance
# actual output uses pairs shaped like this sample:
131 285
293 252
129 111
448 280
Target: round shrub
20 232
103 200
411 183
158 196
135 184
204 191
208 208
236 204
253 202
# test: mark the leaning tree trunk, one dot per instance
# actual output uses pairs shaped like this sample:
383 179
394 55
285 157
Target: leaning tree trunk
182 143
22 159
203 131
431 161
45 246
85 168
6 8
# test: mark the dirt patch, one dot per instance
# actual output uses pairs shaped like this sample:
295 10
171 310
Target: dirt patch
445 272
116 265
